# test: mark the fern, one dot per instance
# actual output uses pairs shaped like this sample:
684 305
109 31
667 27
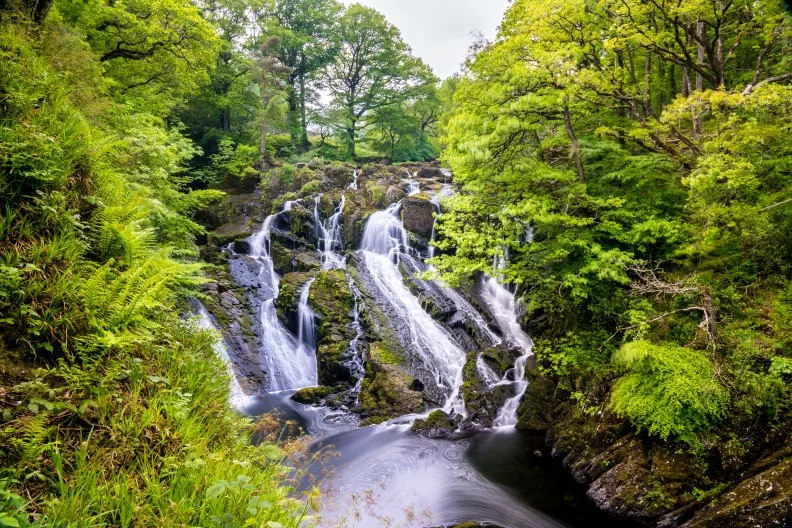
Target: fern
122 304
668 391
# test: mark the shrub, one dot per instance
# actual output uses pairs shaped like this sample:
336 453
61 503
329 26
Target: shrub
668 391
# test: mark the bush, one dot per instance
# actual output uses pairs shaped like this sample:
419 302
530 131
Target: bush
668 391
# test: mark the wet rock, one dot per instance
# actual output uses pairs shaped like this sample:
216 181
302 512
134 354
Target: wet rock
482 403
418 214
242 247
288 298
760 501
299 223
312 394
437 425
289 261
536 410
385 392
430 172
333 302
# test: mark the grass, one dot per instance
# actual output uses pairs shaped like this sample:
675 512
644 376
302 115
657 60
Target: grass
142 438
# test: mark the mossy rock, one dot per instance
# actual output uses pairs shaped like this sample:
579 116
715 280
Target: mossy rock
499 358
437 425
385 391
290 261
418 214
536 410
288 298
312 394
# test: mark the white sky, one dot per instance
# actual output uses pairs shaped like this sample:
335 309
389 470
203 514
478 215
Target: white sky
438 31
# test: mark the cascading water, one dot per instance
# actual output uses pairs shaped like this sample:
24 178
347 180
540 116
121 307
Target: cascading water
306 335
384 242
289 367
354 185
329 239
504 309
238 399
414 187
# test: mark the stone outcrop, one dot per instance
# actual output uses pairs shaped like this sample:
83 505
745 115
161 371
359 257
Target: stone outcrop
418 214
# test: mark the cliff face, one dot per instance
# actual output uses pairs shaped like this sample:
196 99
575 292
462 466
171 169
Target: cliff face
655 483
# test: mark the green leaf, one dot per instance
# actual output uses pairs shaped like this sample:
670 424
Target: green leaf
7 521
215 490
273 524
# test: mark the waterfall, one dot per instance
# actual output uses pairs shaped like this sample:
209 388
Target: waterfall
358 364
237 398
504 309
354 184
329 240
384 242
288 366
306 335
414 187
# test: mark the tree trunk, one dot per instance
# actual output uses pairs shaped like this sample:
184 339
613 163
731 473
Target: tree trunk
700 32
350 139
574 149
294 120
304 143
225 119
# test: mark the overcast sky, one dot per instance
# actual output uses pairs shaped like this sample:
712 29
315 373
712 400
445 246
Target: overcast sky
438 31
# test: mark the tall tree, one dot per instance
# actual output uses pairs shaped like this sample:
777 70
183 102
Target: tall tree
269 74
157 52
374 69
307 30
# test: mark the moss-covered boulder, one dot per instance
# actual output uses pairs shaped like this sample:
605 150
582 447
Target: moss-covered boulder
285 260
536 409
481 402
386 390
288 299
333 301
437 425
418 214
298 222
764 499
312 394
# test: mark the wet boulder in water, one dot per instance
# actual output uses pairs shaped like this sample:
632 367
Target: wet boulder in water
242 247
385 392
333 302
483 397
288 298
536 410
418 214
312 394
437 425
285 260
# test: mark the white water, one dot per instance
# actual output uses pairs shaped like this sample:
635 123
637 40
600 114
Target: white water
289 366
384 241
238 399
504 309
414 186
306 335
354 184
329 240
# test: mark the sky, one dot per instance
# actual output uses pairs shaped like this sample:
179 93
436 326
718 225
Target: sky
438 31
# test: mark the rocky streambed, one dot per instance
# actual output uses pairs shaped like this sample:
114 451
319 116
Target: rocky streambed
429 394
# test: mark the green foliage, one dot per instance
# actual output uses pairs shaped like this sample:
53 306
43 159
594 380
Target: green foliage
374 70
668 391
129 424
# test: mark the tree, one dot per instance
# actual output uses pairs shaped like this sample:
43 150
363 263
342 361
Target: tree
307 30
156 51
269 75
374 69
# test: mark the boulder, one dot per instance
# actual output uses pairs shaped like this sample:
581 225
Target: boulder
437 425
418 214
333 302
385 392
243 247
536 410
481 402
760 501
